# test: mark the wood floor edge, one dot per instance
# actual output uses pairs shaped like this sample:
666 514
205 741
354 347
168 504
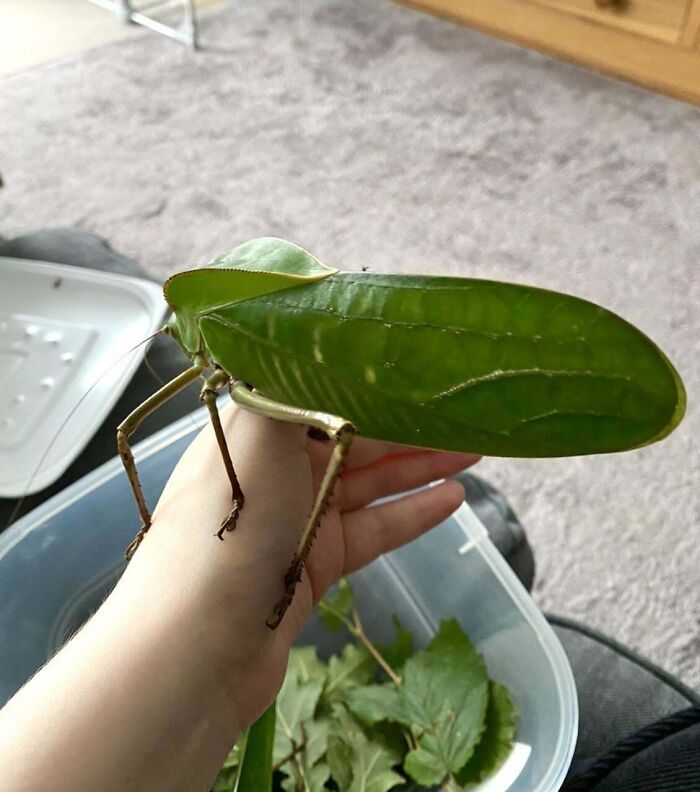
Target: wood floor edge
667 68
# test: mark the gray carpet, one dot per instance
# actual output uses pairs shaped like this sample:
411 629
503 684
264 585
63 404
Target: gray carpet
376 135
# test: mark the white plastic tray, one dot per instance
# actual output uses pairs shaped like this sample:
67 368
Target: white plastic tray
63 331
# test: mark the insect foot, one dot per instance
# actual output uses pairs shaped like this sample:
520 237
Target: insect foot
291 579
136 541
230 522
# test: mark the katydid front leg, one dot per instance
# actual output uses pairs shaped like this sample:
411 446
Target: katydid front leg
334 427
129 425
208 396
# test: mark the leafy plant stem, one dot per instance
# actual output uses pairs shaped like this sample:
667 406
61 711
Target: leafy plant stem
357 631
451 785
297 748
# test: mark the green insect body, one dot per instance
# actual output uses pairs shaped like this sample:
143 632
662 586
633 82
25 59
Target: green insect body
447 363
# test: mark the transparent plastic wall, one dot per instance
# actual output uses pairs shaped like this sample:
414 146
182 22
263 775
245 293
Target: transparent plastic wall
58 563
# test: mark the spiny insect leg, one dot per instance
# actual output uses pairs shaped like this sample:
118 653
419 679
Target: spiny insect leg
332 426
343 439
128 426
208 396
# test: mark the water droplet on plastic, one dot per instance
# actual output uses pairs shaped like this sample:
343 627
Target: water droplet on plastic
53 338
47 382
67 357
31 330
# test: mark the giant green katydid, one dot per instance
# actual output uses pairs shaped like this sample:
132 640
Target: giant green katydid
445 363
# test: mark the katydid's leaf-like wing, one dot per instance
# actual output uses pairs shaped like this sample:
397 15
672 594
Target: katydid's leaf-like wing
497 740
352 667
454 363
336 605
358 765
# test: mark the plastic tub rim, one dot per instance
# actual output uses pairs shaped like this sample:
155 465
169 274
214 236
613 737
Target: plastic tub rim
568 701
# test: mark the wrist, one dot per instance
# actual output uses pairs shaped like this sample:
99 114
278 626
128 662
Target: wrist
191 617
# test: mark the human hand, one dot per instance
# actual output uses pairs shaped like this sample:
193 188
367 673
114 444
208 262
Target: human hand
237 582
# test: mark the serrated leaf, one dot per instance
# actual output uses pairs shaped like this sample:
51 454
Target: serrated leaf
334 606
496 742
305 664
354 666
296 704
339 756
401 649
307 773
358 765
392 736
313 780
425 767
445 693
374 703
443 697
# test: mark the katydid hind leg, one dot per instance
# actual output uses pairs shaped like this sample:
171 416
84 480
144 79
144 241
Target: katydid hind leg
330 426
343 441
128 426
209 395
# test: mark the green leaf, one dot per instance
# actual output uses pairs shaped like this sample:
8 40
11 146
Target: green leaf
354 666
374 703
306 772
424 766
398 652
313 780
340 760
255 769
333 607
296 704
496 742
445 694
227 775
305 664
358 765
225 781
443 697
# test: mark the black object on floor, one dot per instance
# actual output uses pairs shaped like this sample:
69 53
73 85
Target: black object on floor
634 718
662 757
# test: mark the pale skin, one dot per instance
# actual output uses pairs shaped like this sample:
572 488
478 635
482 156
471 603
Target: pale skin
155 689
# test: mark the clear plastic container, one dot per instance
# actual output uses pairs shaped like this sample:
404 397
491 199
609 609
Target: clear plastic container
58 563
